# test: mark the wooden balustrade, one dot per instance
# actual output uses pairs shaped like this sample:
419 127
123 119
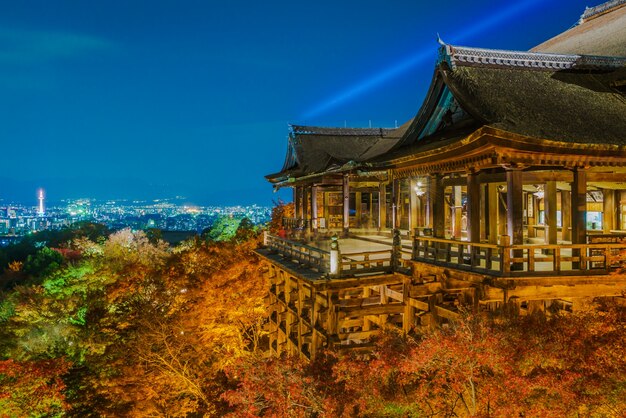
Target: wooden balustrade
496 260
295 223
366 262
534 260
320 260
311 257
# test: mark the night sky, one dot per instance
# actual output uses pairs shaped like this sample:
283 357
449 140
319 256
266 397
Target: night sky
151 99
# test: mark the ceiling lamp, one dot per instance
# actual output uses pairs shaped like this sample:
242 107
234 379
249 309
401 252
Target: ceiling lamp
418 189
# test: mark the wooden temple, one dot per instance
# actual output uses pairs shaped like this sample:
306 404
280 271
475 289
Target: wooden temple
507 190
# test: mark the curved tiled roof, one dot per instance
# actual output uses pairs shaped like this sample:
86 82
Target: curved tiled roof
593 12
313 149
568 89
601 31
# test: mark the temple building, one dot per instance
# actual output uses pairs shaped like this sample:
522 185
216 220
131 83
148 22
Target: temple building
507 190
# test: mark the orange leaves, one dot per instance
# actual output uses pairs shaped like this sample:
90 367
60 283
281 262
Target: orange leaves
32 388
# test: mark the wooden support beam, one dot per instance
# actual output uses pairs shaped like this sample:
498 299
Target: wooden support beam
395 202
346 204
492 213
515 211
566 215
437 199
358 209
579 207
550 211
538 177
414 208
387 309
473 208
314 214
382 206
457 213
609 211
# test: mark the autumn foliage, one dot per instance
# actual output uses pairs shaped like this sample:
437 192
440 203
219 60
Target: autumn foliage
128 326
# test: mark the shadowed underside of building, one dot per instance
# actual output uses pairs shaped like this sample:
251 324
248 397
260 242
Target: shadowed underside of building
508 188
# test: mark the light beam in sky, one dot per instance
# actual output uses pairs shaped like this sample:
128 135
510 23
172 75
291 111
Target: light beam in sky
418 57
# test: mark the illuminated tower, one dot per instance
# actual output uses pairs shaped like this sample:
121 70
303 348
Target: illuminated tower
40 211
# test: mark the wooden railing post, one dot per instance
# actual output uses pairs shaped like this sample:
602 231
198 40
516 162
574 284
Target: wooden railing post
335 257
396 250
505 257
266 238
416 243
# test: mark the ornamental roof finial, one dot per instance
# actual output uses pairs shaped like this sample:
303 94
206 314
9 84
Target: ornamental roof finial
440 41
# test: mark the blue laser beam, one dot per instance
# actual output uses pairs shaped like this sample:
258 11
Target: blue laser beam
418 57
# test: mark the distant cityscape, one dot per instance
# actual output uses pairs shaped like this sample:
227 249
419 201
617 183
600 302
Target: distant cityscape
18 220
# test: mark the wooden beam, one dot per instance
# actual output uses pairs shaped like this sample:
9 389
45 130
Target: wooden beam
458 212
346 204
538 177
606 177
515 211
550 210
395 202
473 208
314 214
437 199
386 309
609 211
492 213
579 207
413 206
566 215
382 206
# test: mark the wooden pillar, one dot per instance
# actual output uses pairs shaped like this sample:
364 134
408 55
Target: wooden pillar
382 206
346 204
550 211
358 209
438 204
515 212
566 215
531 214
483 212
298 201
314 213
473 208
428 210
492 212
413 206
305 204
579 215
457 214
502 214
395 202
608 211
408 318
579 207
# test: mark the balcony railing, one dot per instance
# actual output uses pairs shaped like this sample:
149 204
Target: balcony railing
331 263
295 223
496 260
519 260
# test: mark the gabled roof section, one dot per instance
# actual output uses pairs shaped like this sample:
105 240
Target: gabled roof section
313 149
601 30
593 12
569 98
479 57
547 96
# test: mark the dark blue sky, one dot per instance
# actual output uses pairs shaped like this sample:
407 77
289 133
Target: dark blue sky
148 99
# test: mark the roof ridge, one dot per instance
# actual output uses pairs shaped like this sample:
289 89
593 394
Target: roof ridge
469 56
312 130
592 12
